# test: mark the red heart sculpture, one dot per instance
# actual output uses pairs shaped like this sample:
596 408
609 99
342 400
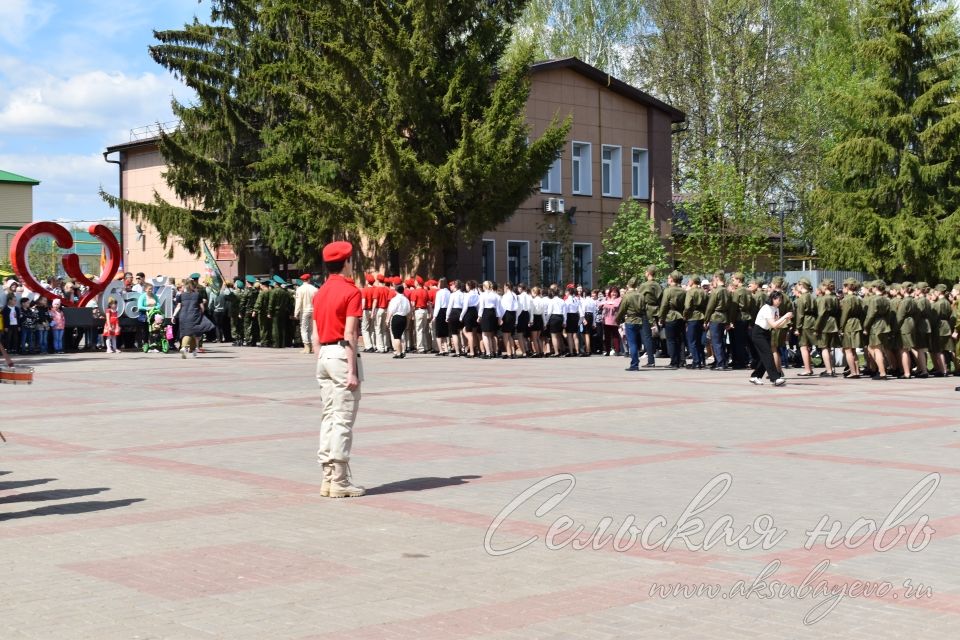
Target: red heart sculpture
71 262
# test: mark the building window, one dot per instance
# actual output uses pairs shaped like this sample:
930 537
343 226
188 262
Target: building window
488 262
551 266
583 264
612 182
582 174
550 183
640 167
518 261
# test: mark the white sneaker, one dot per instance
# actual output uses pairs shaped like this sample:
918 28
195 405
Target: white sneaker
756 381
183 353
194 353
779 382
611 352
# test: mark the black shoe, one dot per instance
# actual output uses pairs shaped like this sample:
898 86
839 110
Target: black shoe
632 369
648 365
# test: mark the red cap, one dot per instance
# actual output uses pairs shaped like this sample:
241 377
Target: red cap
419 280
380 278
409 282
305 277
337 251
397 279
369 278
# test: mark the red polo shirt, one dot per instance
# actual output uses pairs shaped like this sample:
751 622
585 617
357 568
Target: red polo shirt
419 298
337 300
382 296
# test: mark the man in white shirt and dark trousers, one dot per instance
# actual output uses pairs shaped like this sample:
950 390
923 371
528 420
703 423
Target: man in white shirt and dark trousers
508 322
398 312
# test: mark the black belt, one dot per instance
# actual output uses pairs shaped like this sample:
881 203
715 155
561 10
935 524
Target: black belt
342 343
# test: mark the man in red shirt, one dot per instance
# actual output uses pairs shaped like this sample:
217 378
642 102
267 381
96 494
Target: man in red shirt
337 311
367 295
420 299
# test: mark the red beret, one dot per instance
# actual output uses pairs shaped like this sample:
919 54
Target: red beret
409 282
380 277
571 286
397 280
369 278
337 251
419 280
305 277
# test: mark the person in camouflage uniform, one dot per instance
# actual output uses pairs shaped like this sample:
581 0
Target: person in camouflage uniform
251 328
236 312
262 314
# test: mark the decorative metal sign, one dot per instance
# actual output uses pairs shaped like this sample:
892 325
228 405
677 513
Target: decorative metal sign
71 262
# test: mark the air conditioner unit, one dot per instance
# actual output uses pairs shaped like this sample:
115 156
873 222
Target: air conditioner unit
553 205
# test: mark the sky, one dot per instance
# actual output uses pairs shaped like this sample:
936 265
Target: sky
75 78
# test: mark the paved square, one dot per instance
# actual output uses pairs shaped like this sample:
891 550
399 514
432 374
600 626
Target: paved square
151 497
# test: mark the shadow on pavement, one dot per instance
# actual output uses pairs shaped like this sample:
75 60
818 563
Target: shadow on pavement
6 486
55 494
71 508
419 484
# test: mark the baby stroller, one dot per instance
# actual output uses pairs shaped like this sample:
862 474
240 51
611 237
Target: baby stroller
158 330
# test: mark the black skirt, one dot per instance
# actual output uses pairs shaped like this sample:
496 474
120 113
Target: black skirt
454 324
398 324
440 327
573 323
537 324
587 322
509 325
470 320
523 323
489 321
555 323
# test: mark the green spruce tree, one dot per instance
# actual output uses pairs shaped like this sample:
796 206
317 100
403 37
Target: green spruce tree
630 244
890 205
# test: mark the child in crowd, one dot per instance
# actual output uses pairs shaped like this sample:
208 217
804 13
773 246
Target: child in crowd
58 323
111 326
42 330
28 326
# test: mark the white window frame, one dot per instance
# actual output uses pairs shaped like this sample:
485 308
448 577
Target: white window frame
585 171
614 166
524 277
543 279
640 174
588 269
493 259
550 182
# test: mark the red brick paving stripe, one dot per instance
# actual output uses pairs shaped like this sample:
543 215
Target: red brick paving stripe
47 444
152 409
867 462
639 406
207 571
243 477
136 515
846 435
592 435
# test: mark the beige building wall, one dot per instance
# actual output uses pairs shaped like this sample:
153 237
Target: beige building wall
16 210
599 117
142 176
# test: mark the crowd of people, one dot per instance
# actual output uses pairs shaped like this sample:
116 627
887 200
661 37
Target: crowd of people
870 329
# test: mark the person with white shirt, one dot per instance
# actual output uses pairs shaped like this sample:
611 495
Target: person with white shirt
510 304
470 318
490 316
554 313
572 320
767 320
398 310
455 306
537 309
588 311
441 329
524 318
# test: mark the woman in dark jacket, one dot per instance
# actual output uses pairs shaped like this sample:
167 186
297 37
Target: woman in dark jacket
192 321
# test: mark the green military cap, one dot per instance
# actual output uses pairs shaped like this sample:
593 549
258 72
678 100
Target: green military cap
631 282
650 269
826 282
251 279
279 280
738 276
922 285
297 281
720 275
194 276
238 284
894 286
695 280
676 276
942 288
880 285
849 282
906 284
756 281
805 282
778 281
266 282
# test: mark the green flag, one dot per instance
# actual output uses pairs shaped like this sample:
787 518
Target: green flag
211 267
